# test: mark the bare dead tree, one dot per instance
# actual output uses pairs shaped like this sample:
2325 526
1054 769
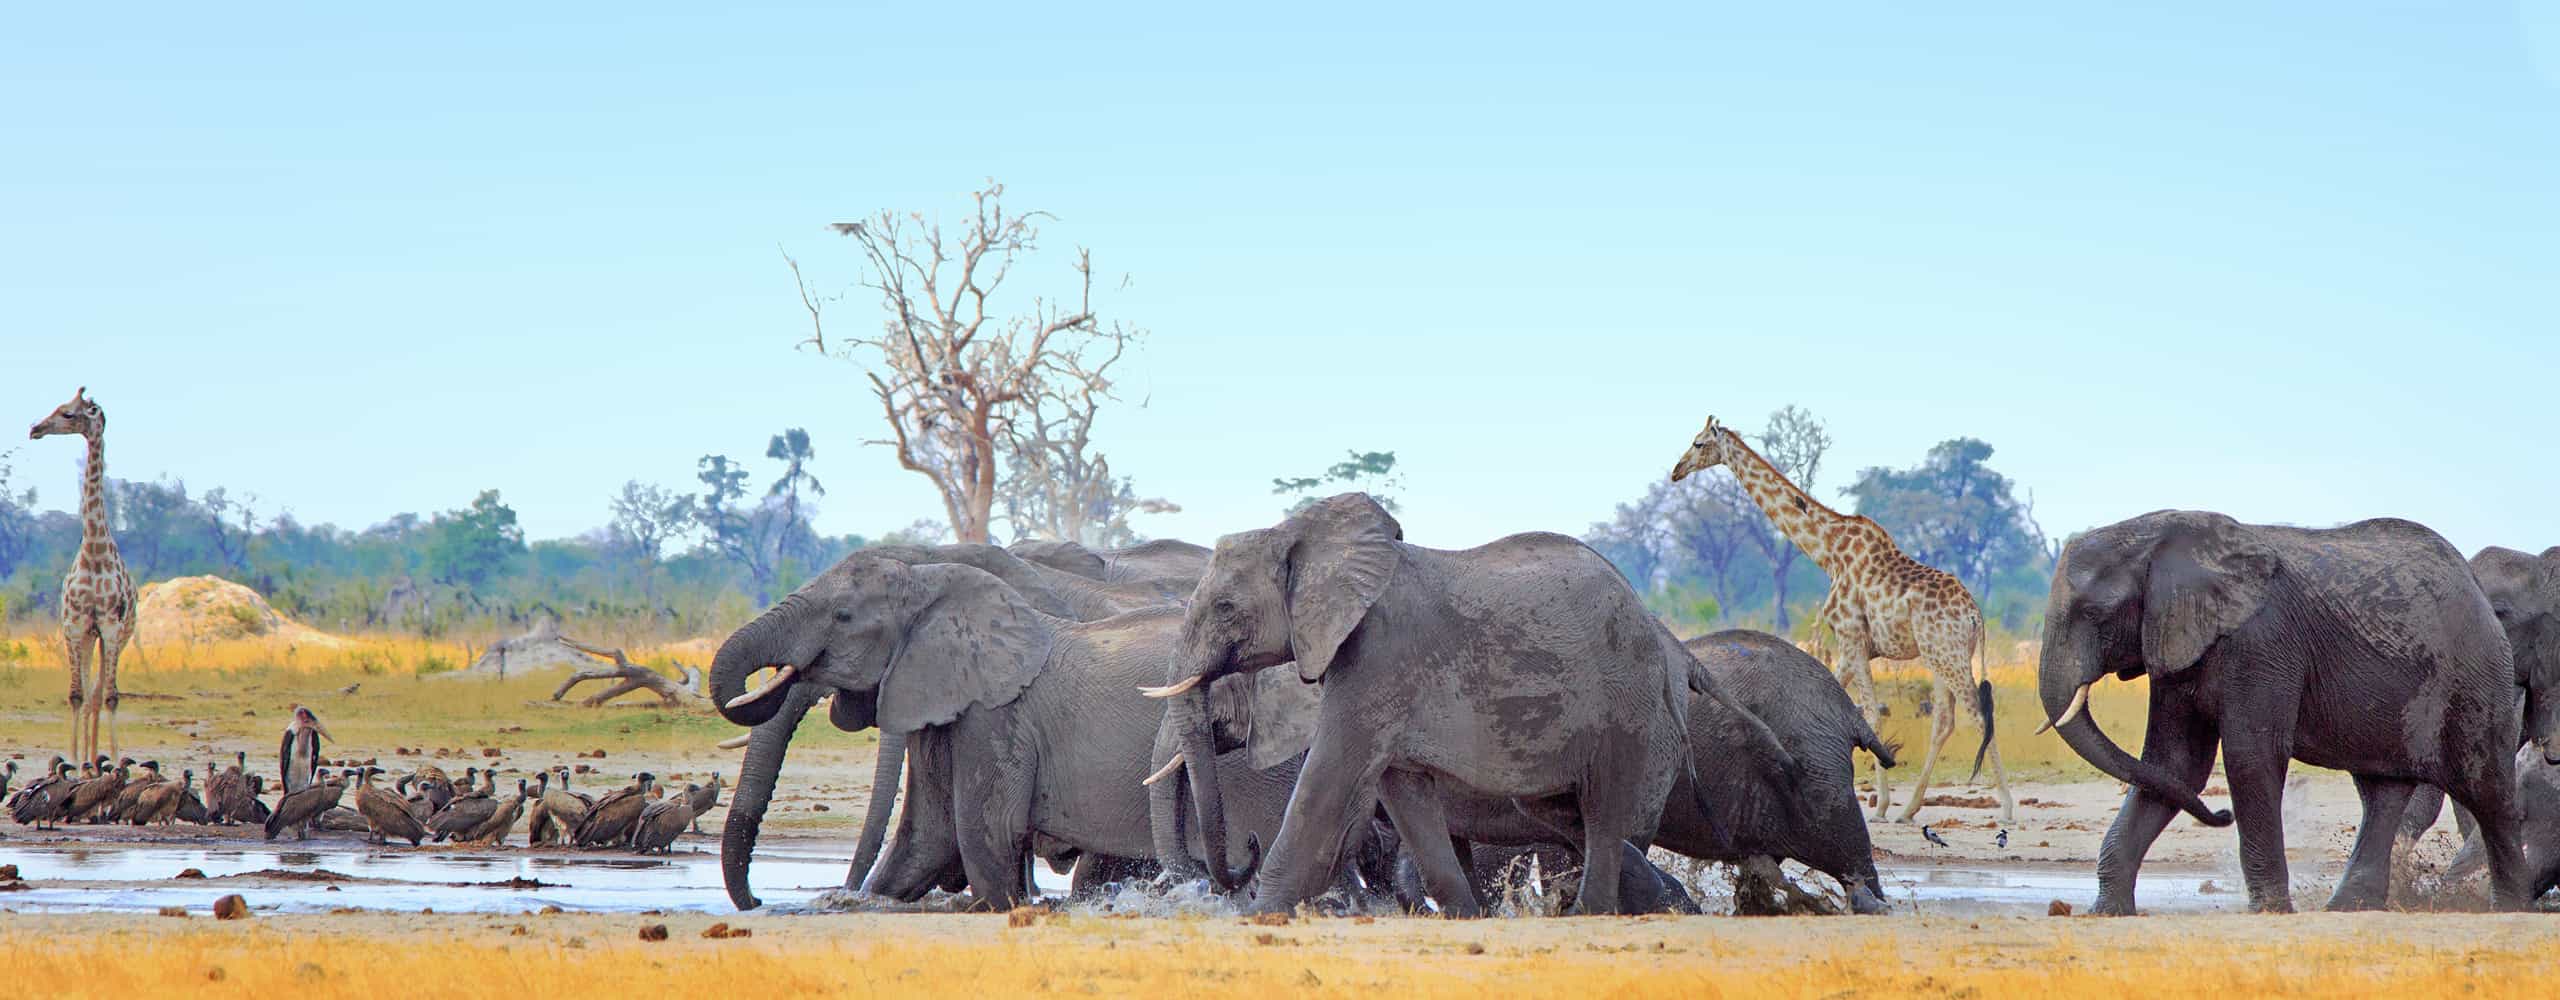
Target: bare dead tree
630 677
953 369
1056 484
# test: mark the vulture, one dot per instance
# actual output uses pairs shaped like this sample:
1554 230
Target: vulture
614 816
385 814
299 810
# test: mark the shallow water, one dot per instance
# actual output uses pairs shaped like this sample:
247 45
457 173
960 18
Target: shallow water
678 882
73 877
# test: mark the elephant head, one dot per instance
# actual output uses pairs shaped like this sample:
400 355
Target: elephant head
2145 596
1295 591
2524 591
900 647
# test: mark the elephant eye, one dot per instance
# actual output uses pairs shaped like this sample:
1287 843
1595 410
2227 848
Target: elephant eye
1224 607
844 616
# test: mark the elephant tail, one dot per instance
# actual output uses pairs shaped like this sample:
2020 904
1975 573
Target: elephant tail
1866 739
1982 703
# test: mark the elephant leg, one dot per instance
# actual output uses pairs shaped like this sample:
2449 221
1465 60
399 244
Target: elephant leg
2426 803
1337 786
2256 761
1414 804
2491 798
993 832
2181 741
1942 725
2367 883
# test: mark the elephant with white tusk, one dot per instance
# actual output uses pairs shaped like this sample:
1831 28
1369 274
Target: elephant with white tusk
2366 648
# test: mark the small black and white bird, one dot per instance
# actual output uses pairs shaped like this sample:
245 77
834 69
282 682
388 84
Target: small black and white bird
1932 836
2002 839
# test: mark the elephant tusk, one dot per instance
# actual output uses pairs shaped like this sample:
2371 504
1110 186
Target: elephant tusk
2079 700
737 741
781 679
1164 772
1170 690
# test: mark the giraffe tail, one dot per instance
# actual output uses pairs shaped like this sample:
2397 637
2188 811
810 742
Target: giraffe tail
1982 701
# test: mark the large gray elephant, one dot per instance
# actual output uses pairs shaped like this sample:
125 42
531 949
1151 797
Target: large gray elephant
1052 591
2365 648
1522 668
2524 592
1162 559
1045 732
1771 776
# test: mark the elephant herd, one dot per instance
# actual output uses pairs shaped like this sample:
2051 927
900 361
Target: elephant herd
1321 707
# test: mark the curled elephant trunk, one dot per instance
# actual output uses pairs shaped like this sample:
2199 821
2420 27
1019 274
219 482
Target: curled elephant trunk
1200 761
886 767
756 775
754 646
2064 688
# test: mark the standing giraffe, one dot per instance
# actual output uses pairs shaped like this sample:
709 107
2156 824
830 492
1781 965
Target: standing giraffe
1882 604
97 596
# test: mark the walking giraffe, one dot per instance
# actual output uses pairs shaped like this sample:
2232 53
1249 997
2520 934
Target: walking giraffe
1882 604
97 597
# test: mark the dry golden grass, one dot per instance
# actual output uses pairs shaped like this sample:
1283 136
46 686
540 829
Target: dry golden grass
2216 957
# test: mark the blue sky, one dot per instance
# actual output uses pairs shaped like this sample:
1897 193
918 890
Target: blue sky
2289 261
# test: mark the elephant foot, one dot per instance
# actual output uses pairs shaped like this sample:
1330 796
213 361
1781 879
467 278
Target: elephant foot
1865 904
2279 904
2112 906
2346 901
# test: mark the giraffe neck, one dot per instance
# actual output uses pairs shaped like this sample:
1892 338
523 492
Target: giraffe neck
1797 515
93 490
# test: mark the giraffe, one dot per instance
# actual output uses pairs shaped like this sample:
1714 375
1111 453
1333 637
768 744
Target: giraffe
1882 604
97 596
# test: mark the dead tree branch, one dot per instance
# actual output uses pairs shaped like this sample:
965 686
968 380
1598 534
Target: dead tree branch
630 677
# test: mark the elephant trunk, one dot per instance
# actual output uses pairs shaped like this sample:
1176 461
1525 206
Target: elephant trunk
1200 760
1165 808
891 760
754 646
2063 682
756 776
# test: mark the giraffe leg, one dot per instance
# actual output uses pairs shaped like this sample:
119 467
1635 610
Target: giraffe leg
79 650
110 649
1942 724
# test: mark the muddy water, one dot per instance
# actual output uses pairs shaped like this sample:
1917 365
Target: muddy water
138 877
75 878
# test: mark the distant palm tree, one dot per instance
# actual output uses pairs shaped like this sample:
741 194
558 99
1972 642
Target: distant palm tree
792 449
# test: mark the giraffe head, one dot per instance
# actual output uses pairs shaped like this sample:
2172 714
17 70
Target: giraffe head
1705 452
79 416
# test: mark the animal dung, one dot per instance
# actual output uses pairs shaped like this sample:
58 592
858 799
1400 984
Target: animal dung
191 873
488 751
722 931
653 932
1022 916
8 873
2057 908
174 911
231 907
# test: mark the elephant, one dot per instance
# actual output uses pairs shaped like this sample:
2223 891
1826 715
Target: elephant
1035 718
1051 591
1161 559
2524 592
1524 668
2365 648
2538 791
1739 800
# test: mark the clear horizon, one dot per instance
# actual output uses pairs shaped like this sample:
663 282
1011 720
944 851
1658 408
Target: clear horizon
2288 262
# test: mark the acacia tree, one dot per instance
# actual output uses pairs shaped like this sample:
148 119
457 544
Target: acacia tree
1057 485
954 369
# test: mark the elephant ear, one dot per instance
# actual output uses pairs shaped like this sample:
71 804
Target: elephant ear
854 711
1344 554
970 641
2205 581
1280 718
